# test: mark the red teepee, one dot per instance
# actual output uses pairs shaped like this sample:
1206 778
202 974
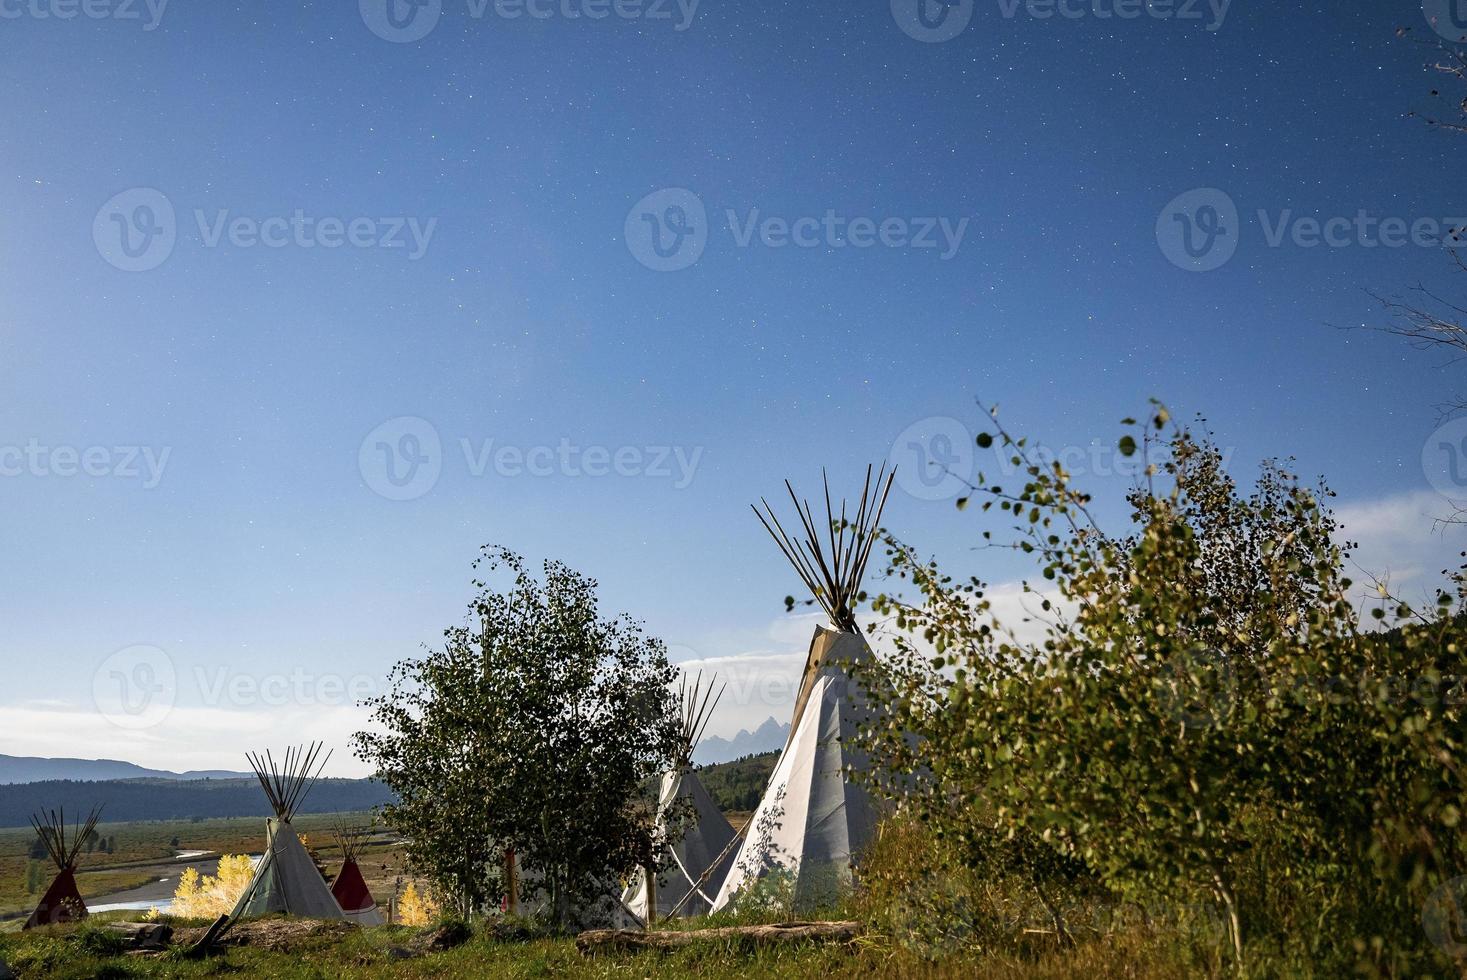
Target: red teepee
350 888
62 901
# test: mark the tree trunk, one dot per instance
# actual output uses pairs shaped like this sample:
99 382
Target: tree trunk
512 884
650 872
1235 931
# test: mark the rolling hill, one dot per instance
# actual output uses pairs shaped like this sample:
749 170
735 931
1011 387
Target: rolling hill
735 786
27 769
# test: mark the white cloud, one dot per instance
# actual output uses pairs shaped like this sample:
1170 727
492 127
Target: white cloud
187 738
761 683
1399 541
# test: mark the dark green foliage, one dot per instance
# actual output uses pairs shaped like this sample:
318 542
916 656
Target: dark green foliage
738 785
129 800
533 728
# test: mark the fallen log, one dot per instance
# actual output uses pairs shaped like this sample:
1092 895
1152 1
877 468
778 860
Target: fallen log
633 940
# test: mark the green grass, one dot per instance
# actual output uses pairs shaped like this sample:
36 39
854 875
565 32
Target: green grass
88 951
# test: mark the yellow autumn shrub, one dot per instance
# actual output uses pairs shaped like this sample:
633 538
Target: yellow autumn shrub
210 896
416 910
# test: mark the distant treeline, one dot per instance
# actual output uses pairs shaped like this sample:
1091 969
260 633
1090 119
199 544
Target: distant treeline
738 785
166 799
733 785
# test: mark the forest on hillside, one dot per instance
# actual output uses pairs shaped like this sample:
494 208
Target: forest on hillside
736 786
165 799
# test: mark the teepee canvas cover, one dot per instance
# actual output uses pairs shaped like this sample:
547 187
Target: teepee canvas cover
698 860
350 888
814 820
62 902
357 903
286 880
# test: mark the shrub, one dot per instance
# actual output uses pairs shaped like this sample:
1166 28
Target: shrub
210 896
1204 722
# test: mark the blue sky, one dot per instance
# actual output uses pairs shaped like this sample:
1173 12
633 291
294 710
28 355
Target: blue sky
251 375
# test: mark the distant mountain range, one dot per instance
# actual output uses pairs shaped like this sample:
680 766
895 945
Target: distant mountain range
768 737
24 769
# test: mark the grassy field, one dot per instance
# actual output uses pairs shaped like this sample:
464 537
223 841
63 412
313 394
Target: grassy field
88 951
894 945
142 847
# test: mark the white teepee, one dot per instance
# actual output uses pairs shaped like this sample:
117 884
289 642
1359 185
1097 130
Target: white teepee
286 880
702 850
814 820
